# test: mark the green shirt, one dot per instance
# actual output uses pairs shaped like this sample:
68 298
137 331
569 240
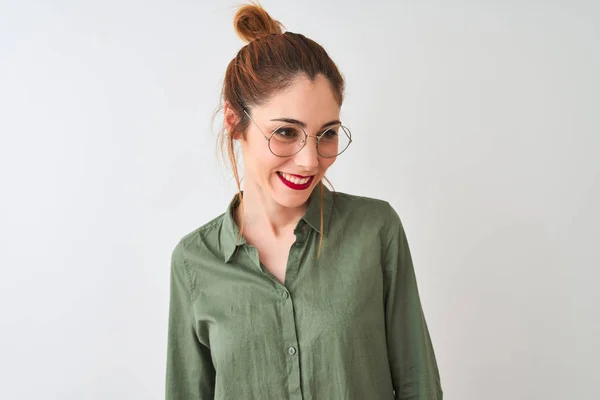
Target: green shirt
346 325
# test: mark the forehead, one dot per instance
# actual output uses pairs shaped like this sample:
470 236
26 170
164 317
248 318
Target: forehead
311 102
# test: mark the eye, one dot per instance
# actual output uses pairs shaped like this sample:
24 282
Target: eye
287 132
330 133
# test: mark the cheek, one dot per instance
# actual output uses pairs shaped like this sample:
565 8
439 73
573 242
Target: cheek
326 163
259 160
254 152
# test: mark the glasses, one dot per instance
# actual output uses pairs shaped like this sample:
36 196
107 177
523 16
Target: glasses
289 138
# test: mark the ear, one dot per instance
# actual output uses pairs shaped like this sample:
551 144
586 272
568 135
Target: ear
230 118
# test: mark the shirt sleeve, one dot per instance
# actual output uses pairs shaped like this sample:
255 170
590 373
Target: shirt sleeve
189 373
413 366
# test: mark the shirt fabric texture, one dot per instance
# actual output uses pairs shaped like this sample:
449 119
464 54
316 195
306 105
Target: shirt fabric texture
346 325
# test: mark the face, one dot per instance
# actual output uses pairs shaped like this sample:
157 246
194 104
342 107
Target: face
284 180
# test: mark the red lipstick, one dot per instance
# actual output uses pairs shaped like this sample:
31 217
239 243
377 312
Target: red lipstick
293 185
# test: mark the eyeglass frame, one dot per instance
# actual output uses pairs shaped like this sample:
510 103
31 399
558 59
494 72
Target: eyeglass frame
306 136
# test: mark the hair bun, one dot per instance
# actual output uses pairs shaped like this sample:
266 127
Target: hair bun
253 22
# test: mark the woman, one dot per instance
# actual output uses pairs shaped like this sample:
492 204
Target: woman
295 292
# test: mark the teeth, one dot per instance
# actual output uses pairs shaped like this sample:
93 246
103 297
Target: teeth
293 179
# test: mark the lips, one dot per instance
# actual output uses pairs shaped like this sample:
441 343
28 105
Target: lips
296 182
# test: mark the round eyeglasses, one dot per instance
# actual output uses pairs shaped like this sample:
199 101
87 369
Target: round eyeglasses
289 138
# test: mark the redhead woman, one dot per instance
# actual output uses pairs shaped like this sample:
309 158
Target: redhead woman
296 291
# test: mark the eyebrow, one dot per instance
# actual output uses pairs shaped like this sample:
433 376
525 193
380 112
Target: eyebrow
302 124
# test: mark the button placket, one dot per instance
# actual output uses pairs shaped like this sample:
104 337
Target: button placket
290 340
288 318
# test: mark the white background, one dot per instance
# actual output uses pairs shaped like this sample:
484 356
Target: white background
478 120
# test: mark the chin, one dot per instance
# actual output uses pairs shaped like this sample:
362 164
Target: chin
291 199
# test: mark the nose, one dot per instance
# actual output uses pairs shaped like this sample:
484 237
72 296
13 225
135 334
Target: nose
308 157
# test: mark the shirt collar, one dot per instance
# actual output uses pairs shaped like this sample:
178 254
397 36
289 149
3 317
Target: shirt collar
312 216
230 232
231 239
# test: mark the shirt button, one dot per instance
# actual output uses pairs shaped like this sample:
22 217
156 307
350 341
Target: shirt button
285 295
292 351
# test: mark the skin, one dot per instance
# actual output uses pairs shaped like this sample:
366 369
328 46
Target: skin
271 209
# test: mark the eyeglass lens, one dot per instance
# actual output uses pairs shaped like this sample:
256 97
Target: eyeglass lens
289 139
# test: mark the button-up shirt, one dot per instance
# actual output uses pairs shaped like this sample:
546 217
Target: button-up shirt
347 324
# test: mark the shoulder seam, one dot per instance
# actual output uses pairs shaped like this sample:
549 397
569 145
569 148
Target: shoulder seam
211 224
205 227
389 228
188 273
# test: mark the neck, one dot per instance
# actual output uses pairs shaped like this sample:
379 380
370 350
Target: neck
262 213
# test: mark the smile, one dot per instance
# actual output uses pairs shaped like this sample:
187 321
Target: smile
295 182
